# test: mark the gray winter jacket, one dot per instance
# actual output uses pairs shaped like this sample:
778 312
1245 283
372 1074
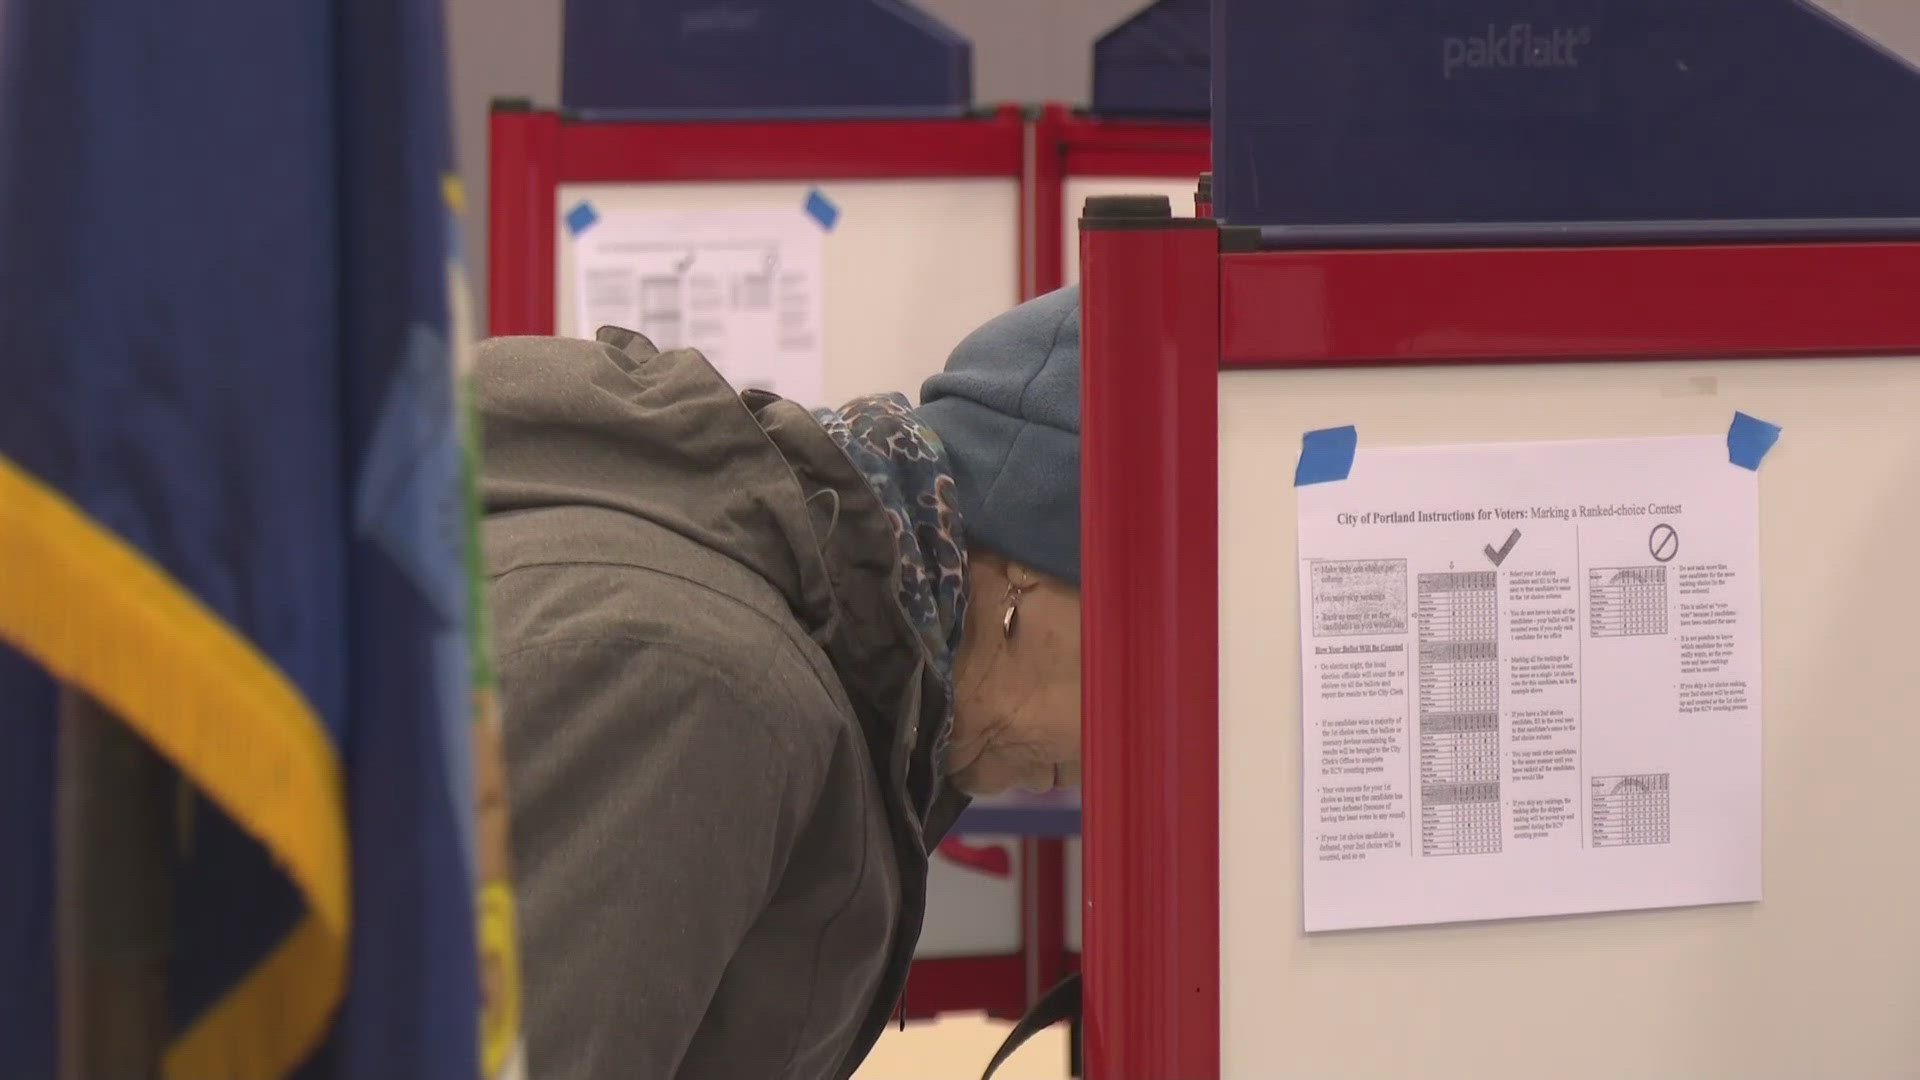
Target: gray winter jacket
718 721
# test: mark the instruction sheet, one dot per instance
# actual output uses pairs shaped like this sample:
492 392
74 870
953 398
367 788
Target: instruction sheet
1530 681
742 286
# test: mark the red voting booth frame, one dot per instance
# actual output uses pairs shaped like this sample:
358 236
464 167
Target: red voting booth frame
1073 144
1164 312
533 152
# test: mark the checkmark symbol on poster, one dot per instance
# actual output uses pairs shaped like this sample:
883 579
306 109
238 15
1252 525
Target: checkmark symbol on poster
1500 556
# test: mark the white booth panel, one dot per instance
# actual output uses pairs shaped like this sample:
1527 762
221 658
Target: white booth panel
1179 191
910 266
971 912
1819 979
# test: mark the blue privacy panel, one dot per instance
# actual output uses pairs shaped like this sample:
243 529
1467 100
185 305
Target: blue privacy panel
1657 116
1157 63
759 57
1023 813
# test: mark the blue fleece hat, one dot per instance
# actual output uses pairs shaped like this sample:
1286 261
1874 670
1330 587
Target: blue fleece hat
1008 409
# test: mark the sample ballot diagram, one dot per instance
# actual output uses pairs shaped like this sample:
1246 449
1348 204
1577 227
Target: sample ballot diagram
1629 810
1459 713
1627 601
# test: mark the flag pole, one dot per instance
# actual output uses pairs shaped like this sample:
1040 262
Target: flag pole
114 915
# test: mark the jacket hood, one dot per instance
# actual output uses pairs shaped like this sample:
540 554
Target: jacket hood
618 424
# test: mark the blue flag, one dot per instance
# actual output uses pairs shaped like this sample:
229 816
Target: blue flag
27 763
233 511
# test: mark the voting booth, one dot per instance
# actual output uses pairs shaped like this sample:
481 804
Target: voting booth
913 232
848 255
803 191
1497 555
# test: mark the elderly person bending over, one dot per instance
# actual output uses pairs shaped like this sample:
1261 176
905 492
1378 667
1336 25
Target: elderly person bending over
753 661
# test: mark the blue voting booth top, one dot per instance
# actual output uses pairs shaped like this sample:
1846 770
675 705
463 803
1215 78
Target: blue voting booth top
1355 120
1156 63
722 58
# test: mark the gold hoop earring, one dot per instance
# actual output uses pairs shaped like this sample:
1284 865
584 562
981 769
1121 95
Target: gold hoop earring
1012 617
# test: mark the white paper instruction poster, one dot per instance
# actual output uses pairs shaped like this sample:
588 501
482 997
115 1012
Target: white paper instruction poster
1530 681
742 286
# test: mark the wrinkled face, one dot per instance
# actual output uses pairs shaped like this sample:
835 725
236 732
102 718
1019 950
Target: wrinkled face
1016 720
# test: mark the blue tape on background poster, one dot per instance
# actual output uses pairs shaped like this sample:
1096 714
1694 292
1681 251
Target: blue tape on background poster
1326 455
581 218
822 210
1749 439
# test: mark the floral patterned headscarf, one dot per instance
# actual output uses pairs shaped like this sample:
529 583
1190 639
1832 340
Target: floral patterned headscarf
907 468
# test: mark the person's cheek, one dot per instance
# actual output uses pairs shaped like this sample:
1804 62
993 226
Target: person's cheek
1028 766
1043 762
990 774
1063 737
1038 776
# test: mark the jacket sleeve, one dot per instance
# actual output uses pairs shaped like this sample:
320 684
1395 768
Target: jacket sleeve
654 799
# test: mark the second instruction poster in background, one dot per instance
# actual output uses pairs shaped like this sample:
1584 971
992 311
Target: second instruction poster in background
1530 680
742 286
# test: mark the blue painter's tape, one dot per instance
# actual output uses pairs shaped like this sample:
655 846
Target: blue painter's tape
1749 439
821 209
1326 455
581 218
